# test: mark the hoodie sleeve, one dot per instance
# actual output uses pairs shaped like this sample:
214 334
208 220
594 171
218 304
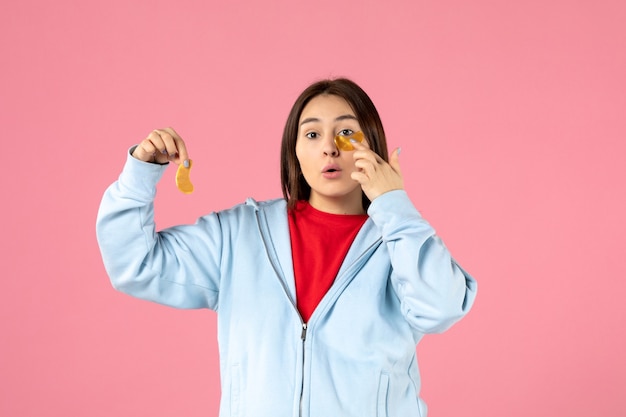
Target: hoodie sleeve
434 291
178 266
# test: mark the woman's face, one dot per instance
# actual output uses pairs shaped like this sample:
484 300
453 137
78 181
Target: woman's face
325 168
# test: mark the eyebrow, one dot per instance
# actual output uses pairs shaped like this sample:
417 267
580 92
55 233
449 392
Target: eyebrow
338 119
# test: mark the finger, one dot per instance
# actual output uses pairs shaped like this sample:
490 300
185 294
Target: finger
181 154
394 160
169 142
360 145
366 166
368 161
172 132
359 177
362 150
146 151
157 141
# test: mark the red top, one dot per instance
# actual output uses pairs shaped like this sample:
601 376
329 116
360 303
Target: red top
319 243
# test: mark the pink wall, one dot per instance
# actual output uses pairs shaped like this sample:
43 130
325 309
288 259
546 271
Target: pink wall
511 118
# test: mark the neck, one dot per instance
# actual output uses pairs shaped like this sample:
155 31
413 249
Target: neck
337 205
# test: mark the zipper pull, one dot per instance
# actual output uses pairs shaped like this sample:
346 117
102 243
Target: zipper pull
303 336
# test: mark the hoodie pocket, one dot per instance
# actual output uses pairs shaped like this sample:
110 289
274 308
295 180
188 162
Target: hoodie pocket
383 390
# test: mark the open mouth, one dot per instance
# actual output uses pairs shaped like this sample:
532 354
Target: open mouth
331 172
331 168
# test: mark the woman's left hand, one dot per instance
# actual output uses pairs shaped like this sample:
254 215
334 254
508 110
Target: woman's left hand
374 174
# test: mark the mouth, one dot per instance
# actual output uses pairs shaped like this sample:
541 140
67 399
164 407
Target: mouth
331 168
331 172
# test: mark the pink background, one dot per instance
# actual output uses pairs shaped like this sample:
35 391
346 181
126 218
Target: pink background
511 118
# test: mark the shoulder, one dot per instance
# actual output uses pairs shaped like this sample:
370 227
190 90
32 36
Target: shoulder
251 206
273 204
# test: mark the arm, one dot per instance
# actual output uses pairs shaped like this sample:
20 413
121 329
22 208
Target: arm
434 291
178 266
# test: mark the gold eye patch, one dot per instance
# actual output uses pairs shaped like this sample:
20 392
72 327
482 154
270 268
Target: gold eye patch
182 178
343 142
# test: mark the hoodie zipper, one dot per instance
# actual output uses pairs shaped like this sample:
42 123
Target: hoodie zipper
303 337
293 303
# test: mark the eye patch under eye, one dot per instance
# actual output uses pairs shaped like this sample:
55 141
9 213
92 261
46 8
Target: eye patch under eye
182 178
343 142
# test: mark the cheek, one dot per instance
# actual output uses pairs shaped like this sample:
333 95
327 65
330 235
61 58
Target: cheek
299 155
302 161
348 159
303 154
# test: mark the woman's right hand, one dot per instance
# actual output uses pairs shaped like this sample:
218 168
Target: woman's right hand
162 146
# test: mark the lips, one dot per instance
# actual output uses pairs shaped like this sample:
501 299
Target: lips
331 168
331 171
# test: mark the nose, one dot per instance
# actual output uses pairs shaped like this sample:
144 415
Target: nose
330 148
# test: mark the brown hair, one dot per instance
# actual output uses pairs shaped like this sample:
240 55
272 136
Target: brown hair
293 183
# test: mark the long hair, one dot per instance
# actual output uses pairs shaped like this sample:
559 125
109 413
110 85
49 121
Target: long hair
294 185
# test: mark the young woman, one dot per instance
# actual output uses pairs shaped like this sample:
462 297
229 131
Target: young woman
321 296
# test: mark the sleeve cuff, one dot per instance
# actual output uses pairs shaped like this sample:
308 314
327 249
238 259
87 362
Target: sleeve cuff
140 178
393 209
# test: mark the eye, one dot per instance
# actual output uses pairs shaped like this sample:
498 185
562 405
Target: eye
346 132
311 135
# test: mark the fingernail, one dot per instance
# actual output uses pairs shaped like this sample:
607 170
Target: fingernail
399 150
164 151
186 163
353 140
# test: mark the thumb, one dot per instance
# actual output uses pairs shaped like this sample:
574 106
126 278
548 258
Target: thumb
394 160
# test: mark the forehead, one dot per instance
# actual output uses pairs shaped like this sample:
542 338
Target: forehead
326 106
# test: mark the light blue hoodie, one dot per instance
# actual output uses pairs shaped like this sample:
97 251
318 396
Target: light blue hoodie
356 357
